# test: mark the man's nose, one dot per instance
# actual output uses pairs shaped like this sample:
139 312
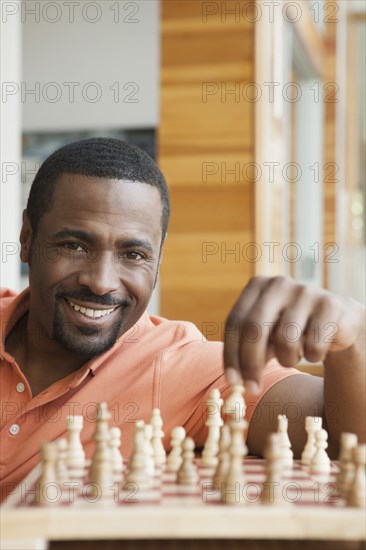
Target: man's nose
100 274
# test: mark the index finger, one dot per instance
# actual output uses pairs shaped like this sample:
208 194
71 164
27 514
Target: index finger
232 339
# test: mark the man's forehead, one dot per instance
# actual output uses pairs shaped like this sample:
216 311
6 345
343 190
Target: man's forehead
80 201
135 193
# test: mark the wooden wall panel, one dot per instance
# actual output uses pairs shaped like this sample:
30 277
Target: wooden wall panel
214 208
329 234
206 145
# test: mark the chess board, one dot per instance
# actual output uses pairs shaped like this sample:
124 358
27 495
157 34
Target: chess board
312 510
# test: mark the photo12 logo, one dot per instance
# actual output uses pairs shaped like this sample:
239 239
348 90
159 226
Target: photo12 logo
253 252
120 11
269 11
70 92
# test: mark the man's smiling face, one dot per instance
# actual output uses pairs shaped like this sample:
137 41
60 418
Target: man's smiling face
94 261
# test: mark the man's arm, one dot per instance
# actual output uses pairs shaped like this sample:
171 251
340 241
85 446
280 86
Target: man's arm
297 396
344 389
278 317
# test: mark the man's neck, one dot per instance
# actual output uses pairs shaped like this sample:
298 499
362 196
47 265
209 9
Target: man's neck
42 362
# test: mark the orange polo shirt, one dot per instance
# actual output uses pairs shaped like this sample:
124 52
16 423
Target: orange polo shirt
158 363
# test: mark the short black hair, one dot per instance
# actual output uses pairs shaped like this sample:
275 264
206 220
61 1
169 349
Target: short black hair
96 158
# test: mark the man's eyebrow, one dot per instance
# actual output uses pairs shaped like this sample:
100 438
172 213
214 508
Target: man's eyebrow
85 236
67 233
135 243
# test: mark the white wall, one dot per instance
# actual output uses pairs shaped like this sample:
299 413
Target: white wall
309 189
117 57
10 115
113 64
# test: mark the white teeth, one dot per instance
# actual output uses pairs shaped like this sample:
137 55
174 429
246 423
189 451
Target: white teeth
92 313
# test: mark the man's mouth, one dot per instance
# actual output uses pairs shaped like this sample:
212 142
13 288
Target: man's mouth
89 312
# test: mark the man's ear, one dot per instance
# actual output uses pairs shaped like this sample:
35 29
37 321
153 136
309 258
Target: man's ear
25 238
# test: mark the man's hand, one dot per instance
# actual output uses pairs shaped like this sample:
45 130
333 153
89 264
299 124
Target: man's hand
278 317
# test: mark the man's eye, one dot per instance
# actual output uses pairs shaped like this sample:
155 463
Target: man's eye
75 247
133 256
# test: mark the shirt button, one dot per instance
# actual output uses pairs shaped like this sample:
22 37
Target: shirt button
20 387
14 429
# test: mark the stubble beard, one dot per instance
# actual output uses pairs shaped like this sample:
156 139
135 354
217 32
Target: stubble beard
87 342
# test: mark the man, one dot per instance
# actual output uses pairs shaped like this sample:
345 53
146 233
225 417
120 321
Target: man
93 235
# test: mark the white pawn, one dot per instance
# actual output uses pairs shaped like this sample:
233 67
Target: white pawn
282 430
357 494
159 452
347 467
213 423
47 487
149 451
174 460
116 455
75 457
312 425
272 487
320 463
136 473
224 457
187 473
61 467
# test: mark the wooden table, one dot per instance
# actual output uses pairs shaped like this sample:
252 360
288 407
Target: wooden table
188 522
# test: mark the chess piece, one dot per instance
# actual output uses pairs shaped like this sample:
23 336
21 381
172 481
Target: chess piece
101 475
149 451
234 406
356 496
174 460
312 425
101 435
48 490
61 467
157 439
102 482
158 434
213 423
347 467
272 487
187 473
320 463
282 430
116 456
224 457
75 456
232 489
136 473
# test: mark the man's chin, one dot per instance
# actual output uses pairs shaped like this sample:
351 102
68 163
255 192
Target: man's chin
87 342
